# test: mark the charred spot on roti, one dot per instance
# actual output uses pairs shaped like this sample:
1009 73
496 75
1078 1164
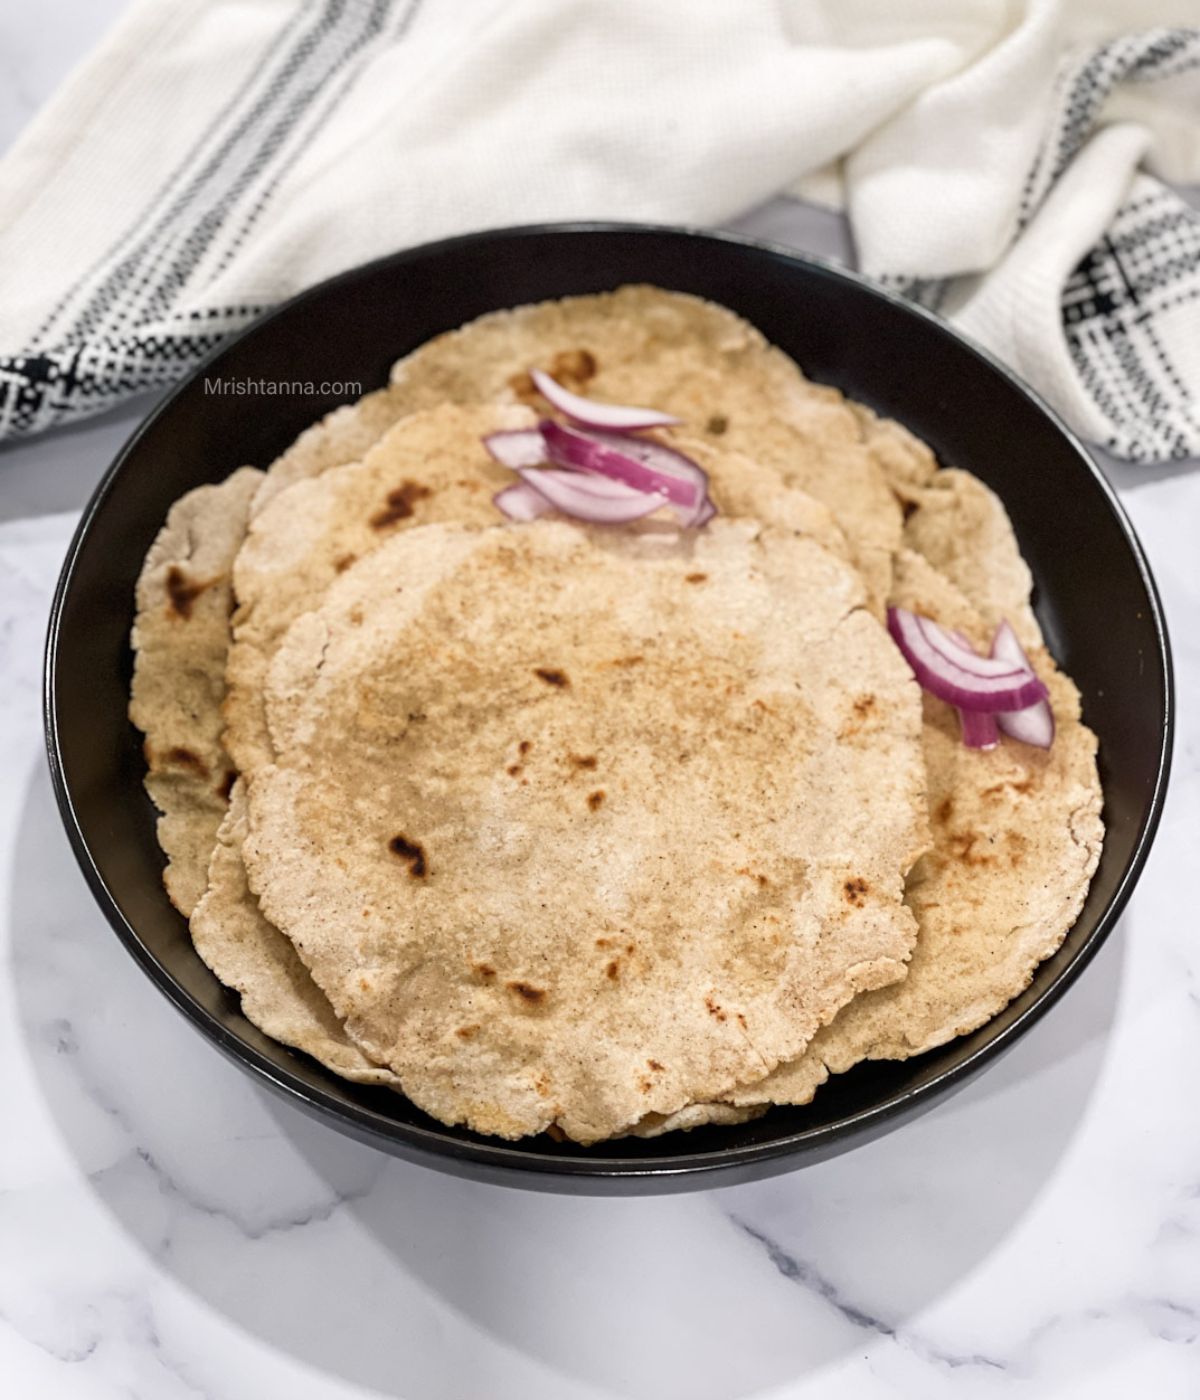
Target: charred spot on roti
516 768
714 1009
855 891
183 591
573 367
695 578
467 1032
613 970
717 425
411 852
586 760
523 387
962 847
595 800
527 992
552 676
655 1066
400 504
181 757
863 705
759 879
1018 846
1023 786
343 562
483 970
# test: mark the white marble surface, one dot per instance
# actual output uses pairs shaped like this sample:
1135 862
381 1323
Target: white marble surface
168 1230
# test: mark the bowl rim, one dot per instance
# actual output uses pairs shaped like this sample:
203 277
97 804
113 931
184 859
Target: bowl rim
511 1161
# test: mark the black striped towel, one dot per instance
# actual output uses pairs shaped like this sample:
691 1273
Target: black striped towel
1009 165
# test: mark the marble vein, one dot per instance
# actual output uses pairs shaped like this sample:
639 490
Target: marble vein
806 1275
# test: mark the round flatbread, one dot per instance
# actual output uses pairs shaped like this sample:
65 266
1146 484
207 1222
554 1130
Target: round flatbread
180 638
1017 834
561 823
430 466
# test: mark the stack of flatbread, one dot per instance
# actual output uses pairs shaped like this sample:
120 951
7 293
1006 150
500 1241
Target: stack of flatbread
597 830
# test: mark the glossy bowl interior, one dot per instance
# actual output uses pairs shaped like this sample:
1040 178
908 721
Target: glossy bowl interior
1095 600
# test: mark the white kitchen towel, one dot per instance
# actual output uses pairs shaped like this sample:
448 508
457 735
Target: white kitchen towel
1000 160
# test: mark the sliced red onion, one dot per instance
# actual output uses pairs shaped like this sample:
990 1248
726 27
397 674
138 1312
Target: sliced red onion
943 667
521 502
618 418
979 730
645 465
596 499
517 447
1034 724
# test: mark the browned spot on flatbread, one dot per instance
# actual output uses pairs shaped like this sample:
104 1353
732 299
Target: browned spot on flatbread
571 368
613 970
467 1032
484 970
523 387
595 799
179 757
962 847
1021 786
856 891
717 424
412 852
655 1066
1018 846
343 562
552 676
862 708
714 1009
582 760
944 810
694 578
400 503
182 591
527 992
760 880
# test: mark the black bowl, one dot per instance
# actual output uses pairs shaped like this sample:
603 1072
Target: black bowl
1095 599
